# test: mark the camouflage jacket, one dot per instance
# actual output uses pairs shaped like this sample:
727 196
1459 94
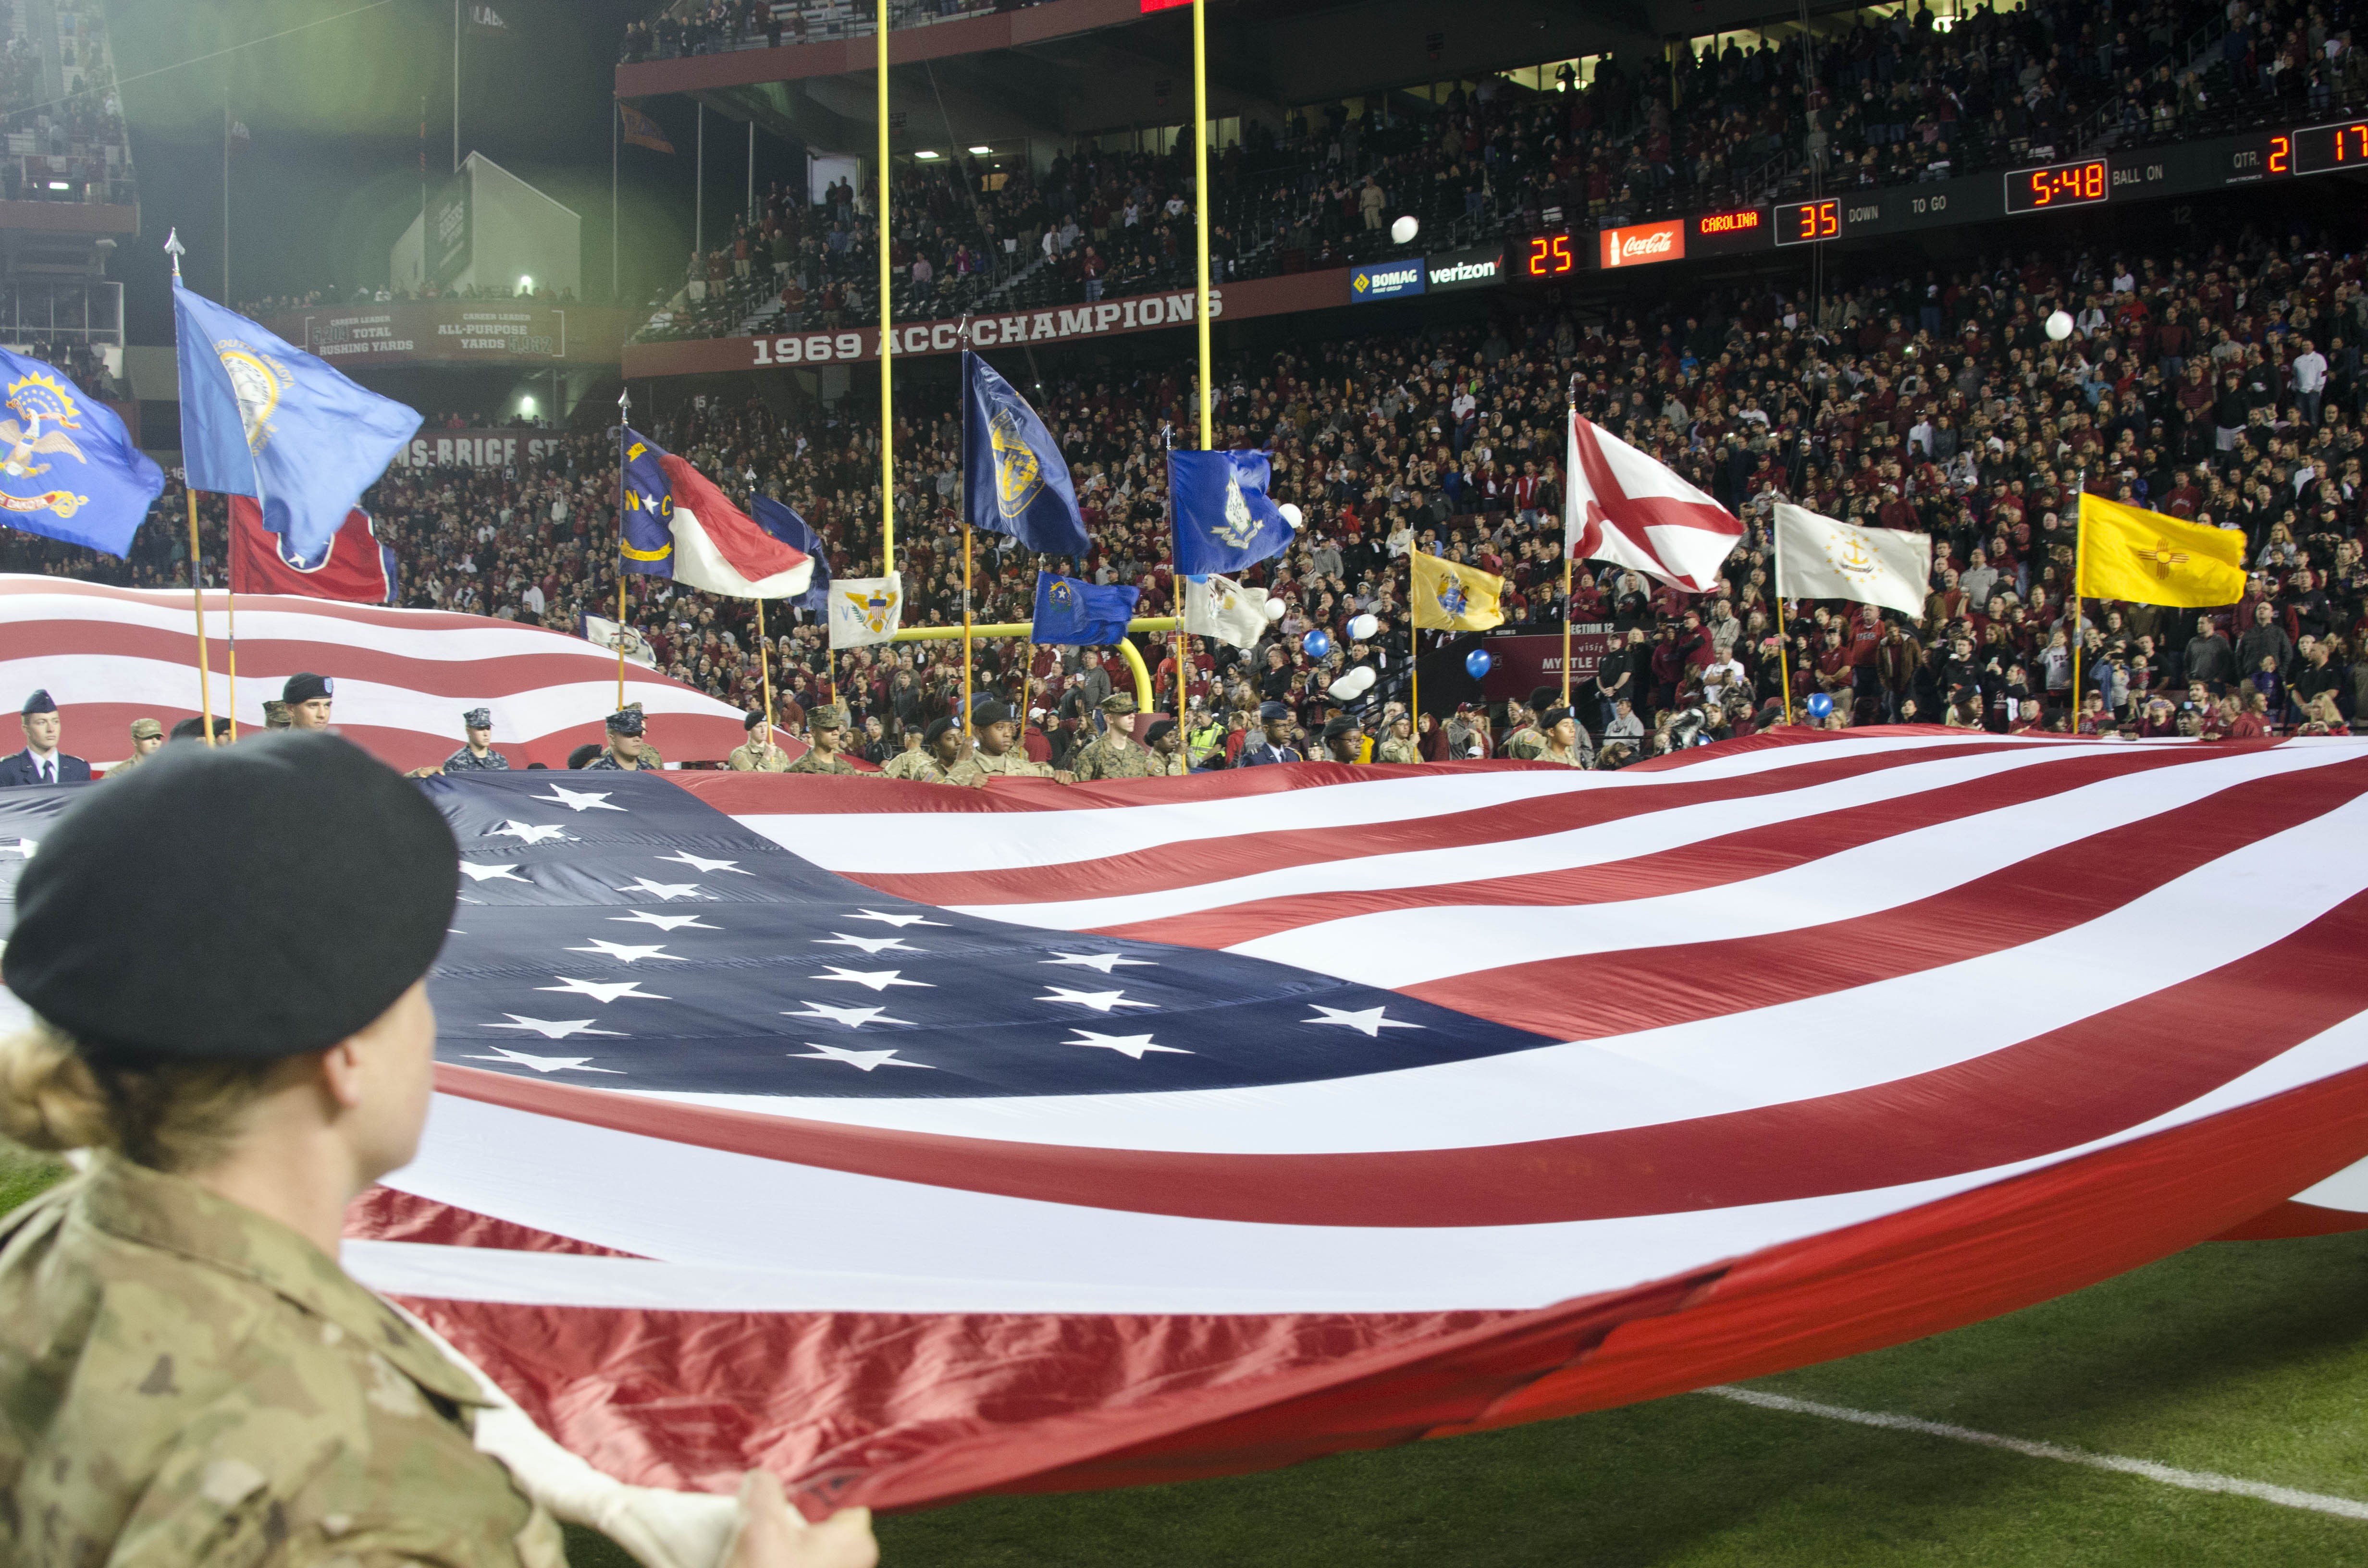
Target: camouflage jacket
753 760
1524 744
1009 764
917 765
814 762
186 1383
1111 755
1395 751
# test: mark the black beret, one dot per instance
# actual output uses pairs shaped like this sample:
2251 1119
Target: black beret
1156 728
1545 698
751 721
1554 716
1339 725
987 711
937 727
304 686
248 940
625 722
194 728
38 703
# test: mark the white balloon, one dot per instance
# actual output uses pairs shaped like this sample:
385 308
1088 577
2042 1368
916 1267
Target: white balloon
1275 609
2059 325
1353 685
1292 515
1405 229
1362 626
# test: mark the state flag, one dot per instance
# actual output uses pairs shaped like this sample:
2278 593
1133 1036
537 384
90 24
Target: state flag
1627 509
1452 598
2130 553
679 524
640 131
1220 607
1819 556
865 610
355 568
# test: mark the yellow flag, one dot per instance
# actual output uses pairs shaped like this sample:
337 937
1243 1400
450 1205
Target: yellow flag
2129 553
1449 597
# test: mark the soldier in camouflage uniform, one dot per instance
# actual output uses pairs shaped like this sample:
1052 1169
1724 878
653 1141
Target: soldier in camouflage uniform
758 753
187 1378
997 755
275 715
478 756
1566 743
941 758
1398 745
1525 743
1113 753
826 732
147 737
1166 742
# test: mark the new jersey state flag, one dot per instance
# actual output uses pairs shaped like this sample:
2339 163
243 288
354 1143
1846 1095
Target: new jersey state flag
1079 614
261 417
1819 556
71 472
1224 520
1014 479
2127 552
1450 597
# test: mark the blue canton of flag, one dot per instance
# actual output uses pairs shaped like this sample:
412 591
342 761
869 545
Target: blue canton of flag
261 417
634 937
648 528
1014 481
72 471
1082 615
1224 520
785 524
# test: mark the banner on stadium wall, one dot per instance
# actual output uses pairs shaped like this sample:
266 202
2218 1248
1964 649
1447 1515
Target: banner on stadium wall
1644 244
1061 324
478 331
477 449
1524 661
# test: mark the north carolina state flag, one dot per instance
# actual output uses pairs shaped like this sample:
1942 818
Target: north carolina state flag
719 547
1626 508
355 568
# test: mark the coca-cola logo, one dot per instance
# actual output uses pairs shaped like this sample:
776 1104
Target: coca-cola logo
1663 242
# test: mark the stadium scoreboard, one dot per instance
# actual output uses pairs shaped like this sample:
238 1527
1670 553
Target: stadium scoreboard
2184 168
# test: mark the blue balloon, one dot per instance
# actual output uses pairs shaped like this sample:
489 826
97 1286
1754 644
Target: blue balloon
1317 642
1820 705
1477 662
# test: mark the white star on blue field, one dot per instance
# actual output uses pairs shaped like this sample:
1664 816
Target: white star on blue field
757 973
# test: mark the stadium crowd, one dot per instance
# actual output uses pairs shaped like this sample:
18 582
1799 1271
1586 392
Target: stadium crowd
66 139
2222 384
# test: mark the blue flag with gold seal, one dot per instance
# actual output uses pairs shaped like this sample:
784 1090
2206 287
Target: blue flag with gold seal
71 471
1014 479
1081 615
261 417
1224 520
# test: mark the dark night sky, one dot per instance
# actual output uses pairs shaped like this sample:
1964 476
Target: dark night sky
332 175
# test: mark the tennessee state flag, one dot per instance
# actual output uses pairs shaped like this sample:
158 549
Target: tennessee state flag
354 569
1449 597
2129 553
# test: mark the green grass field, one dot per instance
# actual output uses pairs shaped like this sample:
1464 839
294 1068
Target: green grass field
2248 1359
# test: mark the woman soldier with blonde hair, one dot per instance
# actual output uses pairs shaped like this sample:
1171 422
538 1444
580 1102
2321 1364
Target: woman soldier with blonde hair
187 1376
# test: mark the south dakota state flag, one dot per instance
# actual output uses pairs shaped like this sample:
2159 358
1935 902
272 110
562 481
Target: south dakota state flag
71 471
1014 481
1079 614
261 417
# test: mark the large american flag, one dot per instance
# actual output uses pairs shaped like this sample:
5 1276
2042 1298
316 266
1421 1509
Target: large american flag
109 655
918 1142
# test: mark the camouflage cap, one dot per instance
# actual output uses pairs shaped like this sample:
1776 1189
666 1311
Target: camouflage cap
147 729
829 716
625 722
1119 704
275 715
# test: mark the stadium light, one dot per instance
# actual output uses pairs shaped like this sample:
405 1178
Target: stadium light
526 284
526 404
925 155
60 184
979 152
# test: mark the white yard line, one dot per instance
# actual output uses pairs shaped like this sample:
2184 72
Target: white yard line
2190 1479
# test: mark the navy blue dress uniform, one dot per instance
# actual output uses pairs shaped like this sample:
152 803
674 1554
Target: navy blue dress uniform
1264 749
466 760
25 768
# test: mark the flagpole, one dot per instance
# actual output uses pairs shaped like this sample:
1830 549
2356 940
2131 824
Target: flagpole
197 591
1566 626
230 596
887 327
624 414
1200 205
1784 625
2080 559
764 670
965 692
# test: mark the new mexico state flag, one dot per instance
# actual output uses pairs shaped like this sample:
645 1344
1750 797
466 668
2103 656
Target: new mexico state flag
2144 557
1449 597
